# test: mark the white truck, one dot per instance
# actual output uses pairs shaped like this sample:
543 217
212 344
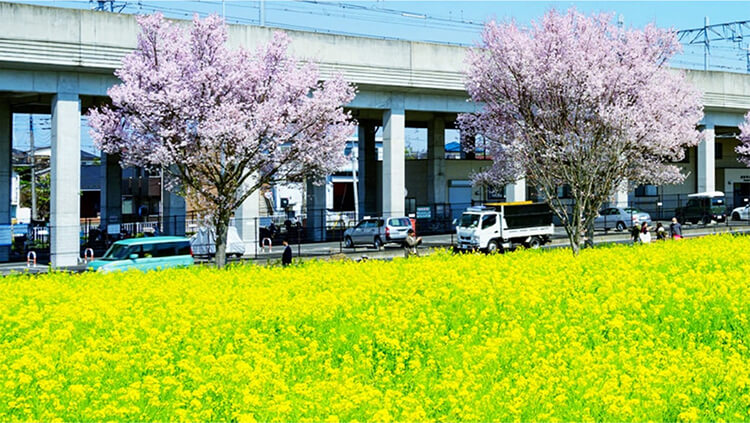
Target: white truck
501 226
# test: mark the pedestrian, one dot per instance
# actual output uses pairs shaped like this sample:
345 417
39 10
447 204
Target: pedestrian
635 232
645 235
675 229
286 258
410 243
661 233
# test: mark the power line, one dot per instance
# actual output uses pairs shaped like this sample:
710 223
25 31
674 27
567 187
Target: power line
716 42
737 32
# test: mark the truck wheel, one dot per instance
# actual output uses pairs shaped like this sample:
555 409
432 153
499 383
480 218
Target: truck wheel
492 247
706 220
620 226
534 243
377 243
348 243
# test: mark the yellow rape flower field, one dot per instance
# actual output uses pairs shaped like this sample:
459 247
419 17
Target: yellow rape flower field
656 332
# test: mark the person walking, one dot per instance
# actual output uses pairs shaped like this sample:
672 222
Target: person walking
675 229
286 258
410 243
645 235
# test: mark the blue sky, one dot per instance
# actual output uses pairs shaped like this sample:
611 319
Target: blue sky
438 21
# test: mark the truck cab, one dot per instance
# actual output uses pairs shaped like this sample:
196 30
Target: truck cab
501 226
703 207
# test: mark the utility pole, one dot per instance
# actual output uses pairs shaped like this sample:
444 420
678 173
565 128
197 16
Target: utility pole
262 18
706 49
355 178
32 152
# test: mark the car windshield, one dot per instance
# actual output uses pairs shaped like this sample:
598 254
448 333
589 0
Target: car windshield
118 252
468 220
631 210
717 201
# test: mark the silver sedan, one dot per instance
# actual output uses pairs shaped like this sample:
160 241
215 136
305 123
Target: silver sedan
620 218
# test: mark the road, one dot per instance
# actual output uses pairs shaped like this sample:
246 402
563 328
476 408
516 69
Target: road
429 243
559 239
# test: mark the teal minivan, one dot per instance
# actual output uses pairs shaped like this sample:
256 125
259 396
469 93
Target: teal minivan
145 254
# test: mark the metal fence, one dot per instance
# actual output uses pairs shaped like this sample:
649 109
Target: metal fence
323 231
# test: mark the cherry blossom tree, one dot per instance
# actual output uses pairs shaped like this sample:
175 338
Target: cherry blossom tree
743 150
219 122
578 101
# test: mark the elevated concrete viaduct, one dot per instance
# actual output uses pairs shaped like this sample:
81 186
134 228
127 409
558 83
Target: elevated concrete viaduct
61 61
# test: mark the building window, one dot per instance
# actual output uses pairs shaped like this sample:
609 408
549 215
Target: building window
343 196
646 191
718 150
454 149
495 194
410 205
563 191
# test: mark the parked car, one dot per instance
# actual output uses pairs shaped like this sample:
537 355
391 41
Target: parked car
145 254
620 218
703 207
378 232
741 213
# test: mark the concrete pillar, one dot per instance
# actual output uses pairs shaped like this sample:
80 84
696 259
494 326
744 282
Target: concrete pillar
173 213
111 193
316 211
437 186
246 221
516 191
394 162
707 160
367 171
6 130
65 182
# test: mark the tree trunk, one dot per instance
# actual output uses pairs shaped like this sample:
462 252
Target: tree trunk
221 226
590 235
574 237
574 228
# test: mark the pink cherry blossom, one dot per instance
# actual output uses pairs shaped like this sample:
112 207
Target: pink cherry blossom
743 150
220 122
576 100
